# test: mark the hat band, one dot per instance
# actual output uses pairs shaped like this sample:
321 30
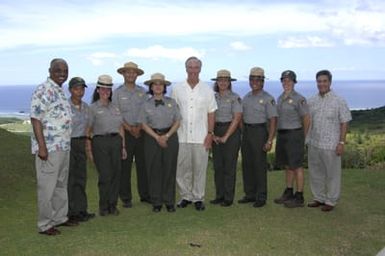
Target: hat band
104 84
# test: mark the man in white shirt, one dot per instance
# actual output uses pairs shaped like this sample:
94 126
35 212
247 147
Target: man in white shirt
197 105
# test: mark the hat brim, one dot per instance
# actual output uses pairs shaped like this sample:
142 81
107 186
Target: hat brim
78 84
216 79
259 77
150 82
103 85
137 70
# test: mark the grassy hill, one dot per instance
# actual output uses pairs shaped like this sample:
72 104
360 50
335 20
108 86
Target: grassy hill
372 120
356 227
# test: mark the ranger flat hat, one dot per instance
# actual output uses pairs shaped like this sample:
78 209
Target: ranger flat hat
257 72
104 81
223 73
157 77
131 65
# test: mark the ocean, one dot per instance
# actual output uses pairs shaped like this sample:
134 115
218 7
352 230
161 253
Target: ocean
15 99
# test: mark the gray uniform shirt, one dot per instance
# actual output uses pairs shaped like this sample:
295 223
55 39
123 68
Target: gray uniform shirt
228 105
291 110
104 119
258 108
79 119
160 116
130 102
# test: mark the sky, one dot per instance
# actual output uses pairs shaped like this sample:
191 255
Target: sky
98 36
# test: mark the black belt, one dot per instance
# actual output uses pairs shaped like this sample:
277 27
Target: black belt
107 135
222 123
79 138
288 130
255 125
161 131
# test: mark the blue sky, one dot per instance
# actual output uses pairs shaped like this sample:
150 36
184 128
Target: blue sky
97 37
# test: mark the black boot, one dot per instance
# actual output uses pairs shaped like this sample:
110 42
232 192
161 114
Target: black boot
286 196
297 201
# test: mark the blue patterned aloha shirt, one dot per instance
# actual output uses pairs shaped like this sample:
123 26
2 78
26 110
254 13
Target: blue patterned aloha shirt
50 106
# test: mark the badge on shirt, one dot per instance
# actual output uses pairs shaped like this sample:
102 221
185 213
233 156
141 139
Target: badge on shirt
169 105
290 101
261 101
239 99
228 100
100 112
140 94
303 102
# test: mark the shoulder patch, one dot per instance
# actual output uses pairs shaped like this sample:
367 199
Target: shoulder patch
272 102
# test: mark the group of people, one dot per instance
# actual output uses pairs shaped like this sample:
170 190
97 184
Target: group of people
169 139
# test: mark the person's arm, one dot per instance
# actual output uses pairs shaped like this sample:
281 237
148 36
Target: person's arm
232 128
89 143
38 132
341 144
306 123
209 137
121 133
272 127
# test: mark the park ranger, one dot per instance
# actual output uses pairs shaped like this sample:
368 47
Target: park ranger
259 124
227 138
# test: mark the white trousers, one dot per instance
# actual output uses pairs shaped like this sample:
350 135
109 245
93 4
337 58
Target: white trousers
191 171
325 175
52 197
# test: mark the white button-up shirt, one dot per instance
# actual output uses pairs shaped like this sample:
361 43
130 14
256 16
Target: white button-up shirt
327 113
194 104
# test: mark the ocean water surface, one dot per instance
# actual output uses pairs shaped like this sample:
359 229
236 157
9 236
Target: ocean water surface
15 99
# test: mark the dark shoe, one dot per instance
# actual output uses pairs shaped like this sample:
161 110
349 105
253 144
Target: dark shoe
127 204
170 208
216 201
114 211
145 200
68 223
226 203
199 206
315 204
183 203
246 200
294 203
50 232
259 203
85 216
286 196
327 208
157 208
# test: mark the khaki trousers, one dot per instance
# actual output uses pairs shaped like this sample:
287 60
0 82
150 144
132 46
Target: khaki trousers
52 177
191 171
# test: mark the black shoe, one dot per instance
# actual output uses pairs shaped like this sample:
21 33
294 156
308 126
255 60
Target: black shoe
170 208
157 208
85 216
103 212
216 201
286 196
246 200
183 203
199 206
127 204
145 200
114 211
226 203
296 201
259 203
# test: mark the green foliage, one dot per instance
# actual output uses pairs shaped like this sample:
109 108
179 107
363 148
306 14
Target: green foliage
372 120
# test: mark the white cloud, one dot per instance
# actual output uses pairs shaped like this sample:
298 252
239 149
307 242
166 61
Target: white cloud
239 46
98 58
304 42
159 51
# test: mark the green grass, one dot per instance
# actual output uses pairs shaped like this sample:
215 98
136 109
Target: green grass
356 227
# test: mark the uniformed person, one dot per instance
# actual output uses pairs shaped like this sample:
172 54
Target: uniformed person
105 125
160 120
259 124
130 97
293 124
77 178
226 138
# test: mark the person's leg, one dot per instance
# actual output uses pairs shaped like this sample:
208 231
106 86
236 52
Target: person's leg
248 165
333 180
184 171
199 159
125 192
230 153
317 174
141 173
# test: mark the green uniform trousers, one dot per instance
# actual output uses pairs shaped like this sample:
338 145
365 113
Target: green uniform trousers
107 152
77 177
161 167
225 158
254 161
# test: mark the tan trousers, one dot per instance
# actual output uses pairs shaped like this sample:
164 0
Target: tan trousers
52 177
191 171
